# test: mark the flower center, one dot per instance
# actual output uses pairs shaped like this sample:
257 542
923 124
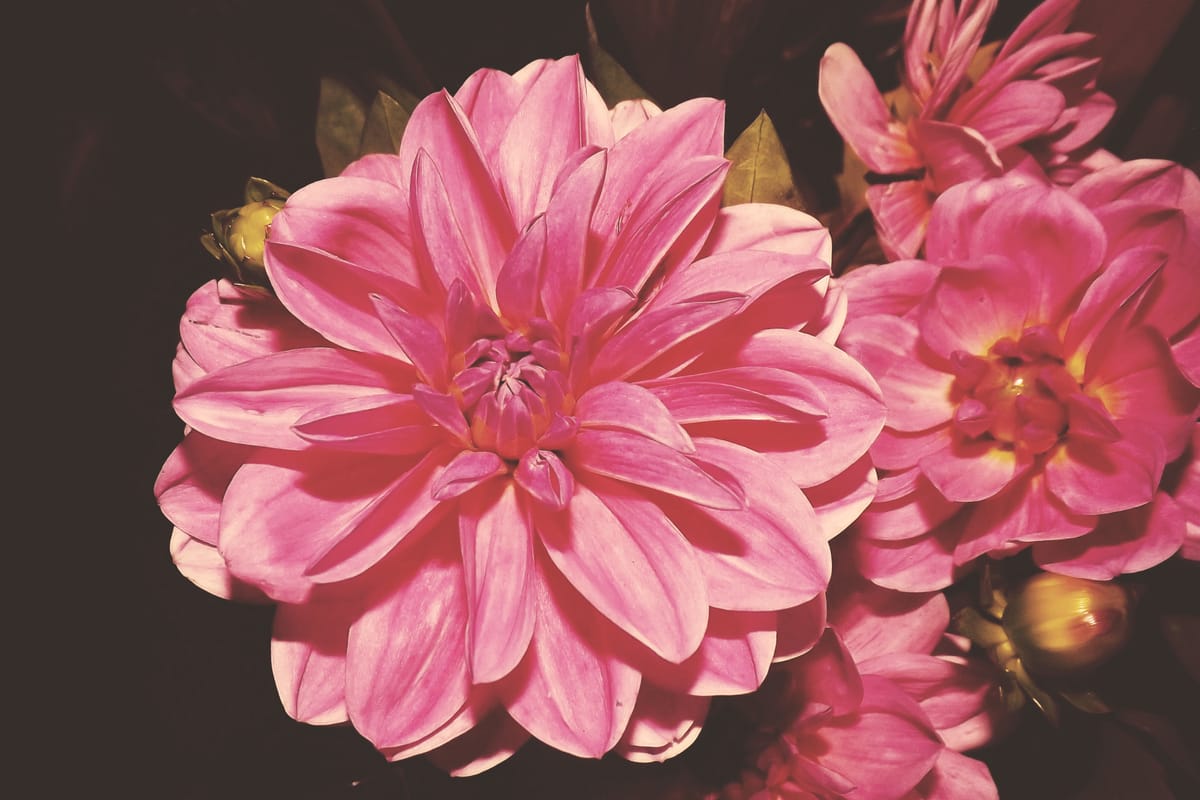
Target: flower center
1016 394
513 392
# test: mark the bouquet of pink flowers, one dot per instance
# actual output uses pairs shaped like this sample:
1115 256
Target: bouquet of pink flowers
550 415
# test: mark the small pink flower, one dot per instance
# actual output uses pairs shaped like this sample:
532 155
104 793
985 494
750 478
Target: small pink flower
1033 110
1029 398
538 441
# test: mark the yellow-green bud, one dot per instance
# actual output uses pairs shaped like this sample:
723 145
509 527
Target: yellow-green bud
246 232
1062 626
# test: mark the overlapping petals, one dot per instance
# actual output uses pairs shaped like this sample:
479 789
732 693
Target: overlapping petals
1031 398
533 438
1033 110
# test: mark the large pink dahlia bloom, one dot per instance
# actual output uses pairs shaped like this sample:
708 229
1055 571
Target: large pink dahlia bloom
1030 398
535 440
1034 109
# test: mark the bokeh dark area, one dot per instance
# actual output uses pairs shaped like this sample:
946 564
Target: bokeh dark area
157 114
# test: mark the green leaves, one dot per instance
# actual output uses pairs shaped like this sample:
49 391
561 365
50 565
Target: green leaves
760 172
347 127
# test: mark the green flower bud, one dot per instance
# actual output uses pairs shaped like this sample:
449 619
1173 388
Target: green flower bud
1063 626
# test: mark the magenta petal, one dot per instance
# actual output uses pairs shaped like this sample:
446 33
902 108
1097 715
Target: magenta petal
884 749
971 470
901 211
258 401
763 393
799 628
488 99
1092 476
567 219
733 657
439 244
893 289
954 154
494 740
1130 541
768 227
873 621
444 411
389 424
921 564
969 310
858 112
663 724
827 678
420 341
203 565
1017 112
1022 513
955 776
308 659
520 279
547 479
626 557
193 481
570 690
748 272
634 459
406 660
842 500
497 551
1118 284
628 407
948 692
465 471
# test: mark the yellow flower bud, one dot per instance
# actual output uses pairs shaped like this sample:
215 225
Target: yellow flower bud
239 235
1061 625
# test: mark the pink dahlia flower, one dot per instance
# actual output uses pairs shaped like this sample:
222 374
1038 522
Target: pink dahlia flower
872 712
536 439
1034 110
1029 398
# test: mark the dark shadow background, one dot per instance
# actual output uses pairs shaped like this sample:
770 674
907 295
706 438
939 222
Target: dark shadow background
135 683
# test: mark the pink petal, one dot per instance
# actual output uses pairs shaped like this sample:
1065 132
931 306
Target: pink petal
958 213
901 210
634 459
479 709
873 621
1117 285
543 475
193 481
444 411
826 678
955 776
406 660
628 114
748 272
570 690
970 309
972 470
258 401
1092 476
440 245
921 564
201 564
954 154
520 279
842 500
1130 541
422 343
798 629
308 659
768 227
626 557
857 110
663 724
948 692
771 554
465 471
628 407
388 424
567 225
488 98
497 552
916 508
894 289
493 741
1025 512
733 657
1017 112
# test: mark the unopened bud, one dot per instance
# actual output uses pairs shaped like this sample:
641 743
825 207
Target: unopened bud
239 235
1062 626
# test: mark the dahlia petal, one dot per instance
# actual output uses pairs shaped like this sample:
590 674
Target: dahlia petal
493 741
465 471
920 564
623 554
383 524
517 286
389 424
1092 476
1024 512
913 509
333 296
308 659
958 213
948 692
184 369
852 399
439 127
497 552
663 724
842 500
634 459
357 220
884 749
957 51
970 309
955 776
629 114
954 154
1017 112
440 245
827 678
917 394
194 479
628 407
747 272
901 210
783 563
567 219
660 218
532 152
898 450
258 401
406 660
968 471
443 410
857 110
873 621
1119 283
543 475
489 98
422 343
733 658
223 326
570 691
769 227
1130 541
1187 357
384 167
203 565
799 628
894 289
740 393
480 706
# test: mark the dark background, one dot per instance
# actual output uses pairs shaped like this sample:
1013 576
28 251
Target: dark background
133 683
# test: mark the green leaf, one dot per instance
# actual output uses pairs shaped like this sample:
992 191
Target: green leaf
341 117
605 73
385 124
760 172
